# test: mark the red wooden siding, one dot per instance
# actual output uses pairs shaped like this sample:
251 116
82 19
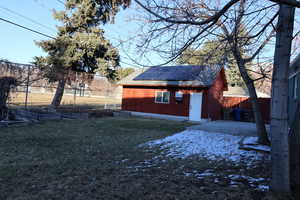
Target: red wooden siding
213 98
142 99
245 103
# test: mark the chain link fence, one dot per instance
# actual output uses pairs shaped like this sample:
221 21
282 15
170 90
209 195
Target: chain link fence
34 90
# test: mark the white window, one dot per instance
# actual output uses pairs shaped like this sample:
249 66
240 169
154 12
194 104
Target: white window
297 87
162 97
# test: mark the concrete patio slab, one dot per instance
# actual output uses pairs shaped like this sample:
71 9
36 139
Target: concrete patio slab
229 127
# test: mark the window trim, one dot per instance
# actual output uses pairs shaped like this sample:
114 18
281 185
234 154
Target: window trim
162 97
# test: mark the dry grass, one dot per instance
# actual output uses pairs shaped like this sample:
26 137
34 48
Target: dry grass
100 159
41 99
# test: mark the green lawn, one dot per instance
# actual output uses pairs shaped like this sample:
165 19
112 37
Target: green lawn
100 159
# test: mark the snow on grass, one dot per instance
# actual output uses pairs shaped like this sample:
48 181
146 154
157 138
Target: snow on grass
213 146
251 143
263 188
234 180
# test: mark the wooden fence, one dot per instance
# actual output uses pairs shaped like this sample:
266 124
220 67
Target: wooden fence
244 103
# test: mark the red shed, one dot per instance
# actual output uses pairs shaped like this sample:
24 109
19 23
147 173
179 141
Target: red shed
181 92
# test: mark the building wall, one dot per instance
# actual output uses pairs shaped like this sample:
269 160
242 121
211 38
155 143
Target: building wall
293 102
142 99
213 98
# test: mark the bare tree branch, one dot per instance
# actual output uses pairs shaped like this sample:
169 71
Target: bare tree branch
191 22
260 47
293 3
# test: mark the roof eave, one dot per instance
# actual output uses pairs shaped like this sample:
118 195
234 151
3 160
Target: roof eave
161 85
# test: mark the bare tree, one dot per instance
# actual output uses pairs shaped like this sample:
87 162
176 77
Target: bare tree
174 26
279 114
242 26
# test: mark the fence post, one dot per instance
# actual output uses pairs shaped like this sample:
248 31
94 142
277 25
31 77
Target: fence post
27 87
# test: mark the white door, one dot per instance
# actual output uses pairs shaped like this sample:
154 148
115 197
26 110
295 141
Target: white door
195 106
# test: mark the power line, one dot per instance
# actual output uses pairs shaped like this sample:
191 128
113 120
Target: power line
60 2
42 5
25 17
29 29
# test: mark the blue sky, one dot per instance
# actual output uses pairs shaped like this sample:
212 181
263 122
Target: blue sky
17 44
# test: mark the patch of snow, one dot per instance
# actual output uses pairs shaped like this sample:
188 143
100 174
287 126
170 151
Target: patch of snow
263 188
188 174
251 143
213 146
255 180
250 140
233 184
205 174
258 147
234 176
216 180
248 178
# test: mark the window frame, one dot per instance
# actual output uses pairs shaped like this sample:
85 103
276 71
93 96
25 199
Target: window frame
162 97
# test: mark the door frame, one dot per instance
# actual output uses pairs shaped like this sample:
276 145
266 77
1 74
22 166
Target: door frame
191 106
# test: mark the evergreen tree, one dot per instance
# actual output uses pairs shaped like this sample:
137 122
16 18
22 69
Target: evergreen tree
80 44
123 72
214 53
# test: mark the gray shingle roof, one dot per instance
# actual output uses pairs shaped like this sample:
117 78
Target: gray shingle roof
186 75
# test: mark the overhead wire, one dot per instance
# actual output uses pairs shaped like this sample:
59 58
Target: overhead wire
35 22
60 2
27 18
24 27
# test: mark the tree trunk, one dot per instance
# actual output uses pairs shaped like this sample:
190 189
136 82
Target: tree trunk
5 86
260 124
59 93
279 104
259 121
295 150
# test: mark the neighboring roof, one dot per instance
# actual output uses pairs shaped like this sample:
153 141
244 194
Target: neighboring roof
185 75
242 92
295 66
